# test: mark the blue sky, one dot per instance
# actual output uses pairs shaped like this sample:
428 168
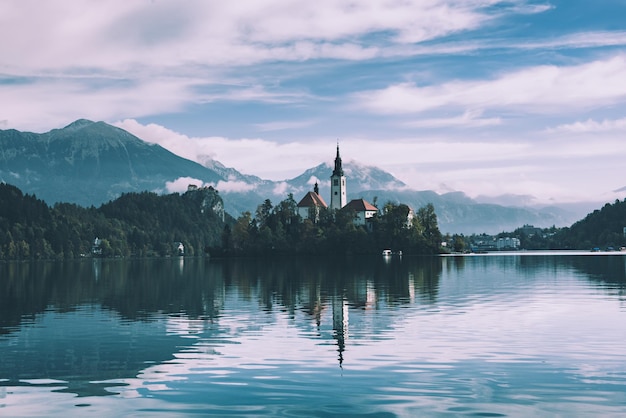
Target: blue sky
483 96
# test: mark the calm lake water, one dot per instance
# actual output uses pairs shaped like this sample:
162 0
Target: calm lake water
488 336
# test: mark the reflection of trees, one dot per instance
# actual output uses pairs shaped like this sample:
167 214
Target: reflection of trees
141 292
304 283
609 270
136 289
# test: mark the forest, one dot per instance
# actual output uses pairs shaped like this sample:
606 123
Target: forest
150 225
601 229
136 224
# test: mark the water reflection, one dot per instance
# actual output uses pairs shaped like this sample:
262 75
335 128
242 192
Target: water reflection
454 335
128 301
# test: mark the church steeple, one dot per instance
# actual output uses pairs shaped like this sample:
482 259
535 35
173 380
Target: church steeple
338 198
338 171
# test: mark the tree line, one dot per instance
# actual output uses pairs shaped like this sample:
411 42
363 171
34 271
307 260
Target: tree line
278 229
135 224
147 224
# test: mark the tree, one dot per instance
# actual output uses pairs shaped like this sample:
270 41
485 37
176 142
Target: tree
458 243
429 228
241 232
263 213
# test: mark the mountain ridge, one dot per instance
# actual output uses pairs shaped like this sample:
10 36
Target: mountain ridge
90 163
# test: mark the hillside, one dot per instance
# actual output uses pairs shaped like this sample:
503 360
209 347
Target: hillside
602 228
137 224
89 163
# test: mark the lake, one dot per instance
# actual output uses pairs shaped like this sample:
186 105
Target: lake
508 335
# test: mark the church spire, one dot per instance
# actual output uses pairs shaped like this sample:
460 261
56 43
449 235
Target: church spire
338 171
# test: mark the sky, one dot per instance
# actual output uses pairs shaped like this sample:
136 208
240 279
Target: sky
487 97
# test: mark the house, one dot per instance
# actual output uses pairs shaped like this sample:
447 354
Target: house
96 248
311 205
363 210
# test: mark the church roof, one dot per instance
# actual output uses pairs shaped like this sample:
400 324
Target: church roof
360 205
312 199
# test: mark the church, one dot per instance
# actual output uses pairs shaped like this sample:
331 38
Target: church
312 203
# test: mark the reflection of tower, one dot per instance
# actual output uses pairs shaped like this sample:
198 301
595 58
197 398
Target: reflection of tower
96 268
338 197
181 265
340 324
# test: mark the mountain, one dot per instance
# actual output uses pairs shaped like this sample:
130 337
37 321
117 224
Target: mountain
90 163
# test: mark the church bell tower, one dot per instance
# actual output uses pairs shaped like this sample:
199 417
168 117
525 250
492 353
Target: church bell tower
338 197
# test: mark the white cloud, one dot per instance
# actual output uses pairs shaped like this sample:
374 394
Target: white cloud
591 125
469 119
283 125
576 40
281 189
181 184
160 33
110 61
252 156
199 150
538 89
45 104
233 186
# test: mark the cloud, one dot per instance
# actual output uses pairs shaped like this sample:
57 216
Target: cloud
160 33
539 89
254 156
50 103
575 40
283 125
199 150
233 186
111 61
591 125
281 188
181 184
469 119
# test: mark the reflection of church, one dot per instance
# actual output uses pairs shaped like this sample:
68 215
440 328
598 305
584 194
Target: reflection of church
312 203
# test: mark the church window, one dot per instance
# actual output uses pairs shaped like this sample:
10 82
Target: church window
336 182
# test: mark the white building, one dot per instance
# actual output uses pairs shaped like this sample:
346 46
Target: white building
363 210
507 243
311 205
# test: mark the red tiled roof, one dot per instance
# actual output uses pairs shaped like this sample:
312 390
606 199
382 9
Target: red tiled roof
312 199
360 205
